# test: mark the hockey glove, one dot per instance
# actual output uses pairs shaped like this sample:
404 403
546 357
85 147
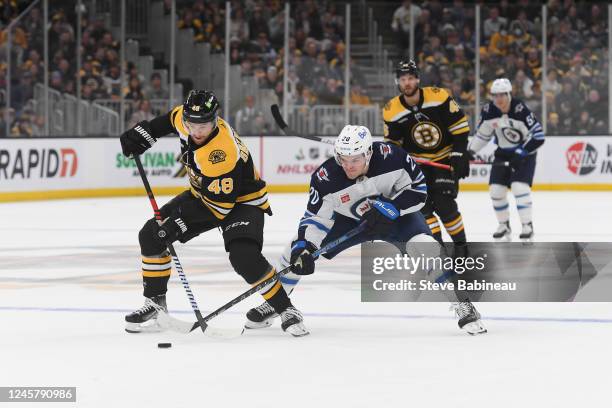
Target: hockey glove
302 261
518 158
460 164
137 140
172 229
380 218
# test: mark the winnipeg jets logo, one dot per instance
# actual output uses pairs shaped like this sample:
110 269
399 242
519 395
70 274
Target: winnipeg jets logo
385 150
322 174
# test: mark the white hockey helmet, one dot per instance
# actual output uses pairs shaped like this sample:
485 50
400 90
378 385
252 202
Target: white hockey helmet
352 141
501 85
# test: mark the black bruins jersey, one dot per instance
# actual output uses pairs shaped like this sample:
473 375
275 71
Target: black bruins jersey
221 171
429 130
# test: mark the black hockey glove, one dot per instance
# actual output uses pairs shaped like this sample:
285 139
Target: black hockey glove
460 164
518 158
137 140
302 261
172 229
380 218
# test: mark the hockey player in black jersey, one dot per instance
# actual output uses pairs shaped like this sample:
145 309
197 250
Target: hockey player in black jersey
351 187
225 191
429 124
518 135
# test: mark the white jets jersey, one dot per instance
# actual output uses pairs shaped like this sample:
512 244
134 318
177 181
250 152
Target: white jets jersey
392 175
518 128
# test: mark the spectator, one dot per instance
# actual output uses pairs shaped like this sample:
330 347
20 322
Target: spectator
331 93
56 81
552 84
402 21
134 91
143 113
245 117
268 79
585 124
258 24
112 82
261 126
358 97
494 24
523 85
155 90
553 124
22 92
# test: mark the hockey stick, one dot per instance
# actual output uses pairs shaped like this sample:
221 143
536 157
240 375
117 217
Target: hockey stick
280 122
187 327
177 264
494 164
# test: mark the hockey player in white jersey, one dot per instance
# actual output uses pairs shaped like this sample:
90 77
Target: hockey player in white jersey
518 135
350 188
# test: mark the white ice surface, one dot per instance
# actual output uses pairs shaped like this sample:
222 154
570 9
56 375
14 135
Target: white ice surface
69 271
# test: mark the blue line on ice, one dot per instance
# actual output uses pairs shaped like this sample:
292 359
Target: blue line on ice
349 315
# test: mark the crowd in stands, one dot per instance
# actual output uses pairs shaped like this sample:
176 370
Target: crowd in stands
257 31
99 76
575 84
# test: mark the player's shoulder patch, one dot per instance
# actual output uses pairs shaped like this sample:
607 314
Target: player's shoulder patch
322 174
489 111
520 107
393 109
434 96
383 149
326 176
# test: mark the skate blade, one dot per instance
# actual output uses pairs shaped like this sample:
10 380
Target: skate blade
474 328
249 325
297 330
505 238
151 327
527 241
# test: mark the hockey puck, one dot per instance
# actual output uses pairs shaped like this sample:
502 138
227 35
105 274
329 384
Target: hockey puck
164 345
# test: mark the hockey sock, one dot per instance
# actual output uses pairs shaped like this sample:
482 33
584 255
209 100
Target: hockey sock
289 280
274 293
155 274
434 226
522 194
454 227
500 202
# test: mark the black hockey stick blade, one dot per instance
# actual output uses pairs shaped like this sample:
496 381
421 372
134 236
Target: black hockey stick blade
278 118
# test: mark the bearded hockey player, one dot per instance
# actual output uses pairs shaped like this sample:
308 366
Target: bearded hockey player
518 135
365 181
225 192
429 124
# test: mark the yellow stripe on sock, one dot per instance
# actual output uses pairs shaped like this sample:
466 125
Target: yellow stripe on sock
455 232
266 276
156 274
272 290
453 222
157 261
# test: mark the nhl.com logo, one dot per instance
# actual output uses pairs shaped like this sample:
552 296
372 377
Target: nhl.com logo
581 158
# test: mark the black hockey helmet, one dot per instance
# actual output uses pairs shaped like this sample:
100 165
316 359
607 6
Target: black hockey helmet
406 67
200 107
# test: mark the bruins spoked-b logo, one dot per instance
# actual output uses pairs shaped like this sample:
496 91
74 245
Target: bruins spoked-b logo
217 156
426 135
